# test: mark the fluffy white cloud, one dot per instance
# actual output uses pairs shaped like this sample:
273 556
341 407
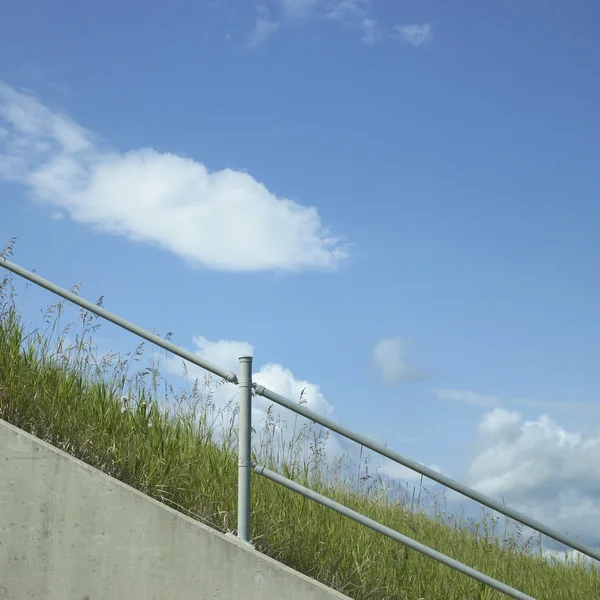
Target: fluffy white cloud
415 35
226 353
222 220
541 469
388 361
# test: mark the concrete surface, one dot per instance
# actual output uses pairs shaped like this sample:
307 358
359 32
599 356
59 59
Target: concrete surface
70 532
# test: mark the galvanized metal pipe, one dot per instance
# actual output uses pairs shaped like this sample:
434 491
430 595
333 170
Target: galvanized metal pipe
391 533
102 312
244 447
423 470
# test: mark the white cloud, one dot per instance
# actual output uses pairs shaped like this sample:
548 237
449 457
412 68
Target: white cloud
415 35
468 397
539 468
388 361
226 354
221 220
274 376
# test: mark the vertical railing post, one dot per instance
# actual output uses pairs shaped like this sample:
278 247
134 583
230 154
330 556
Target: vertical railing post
245 445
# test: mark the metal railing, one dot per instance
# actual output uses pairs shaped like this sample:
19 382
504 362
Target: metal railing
245 466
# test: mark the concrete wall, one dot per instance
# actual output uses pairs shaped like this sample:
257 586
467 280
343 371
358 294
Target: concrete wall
70 532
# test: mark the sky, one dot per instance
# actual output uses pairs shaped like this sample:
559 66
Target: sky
392 205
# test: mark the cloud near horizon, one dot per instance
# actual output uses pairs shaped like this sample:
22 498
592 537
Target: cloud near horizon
159 198
541 469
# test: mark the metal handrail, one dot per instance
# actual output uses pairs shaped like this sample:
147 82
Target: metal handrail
245 466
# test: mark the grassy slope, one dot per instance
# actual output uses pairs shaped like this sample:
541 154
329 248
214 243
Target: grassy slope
64 396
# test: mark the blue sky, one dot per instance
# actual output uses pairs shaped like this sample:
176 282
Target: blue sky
396 202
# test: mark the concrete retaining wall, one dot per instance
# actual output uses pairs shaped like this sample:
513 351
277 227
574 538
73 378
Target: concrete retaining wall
70 532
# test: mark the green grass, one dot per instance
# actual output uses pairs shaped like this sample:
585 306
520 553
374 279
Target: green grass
178 447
